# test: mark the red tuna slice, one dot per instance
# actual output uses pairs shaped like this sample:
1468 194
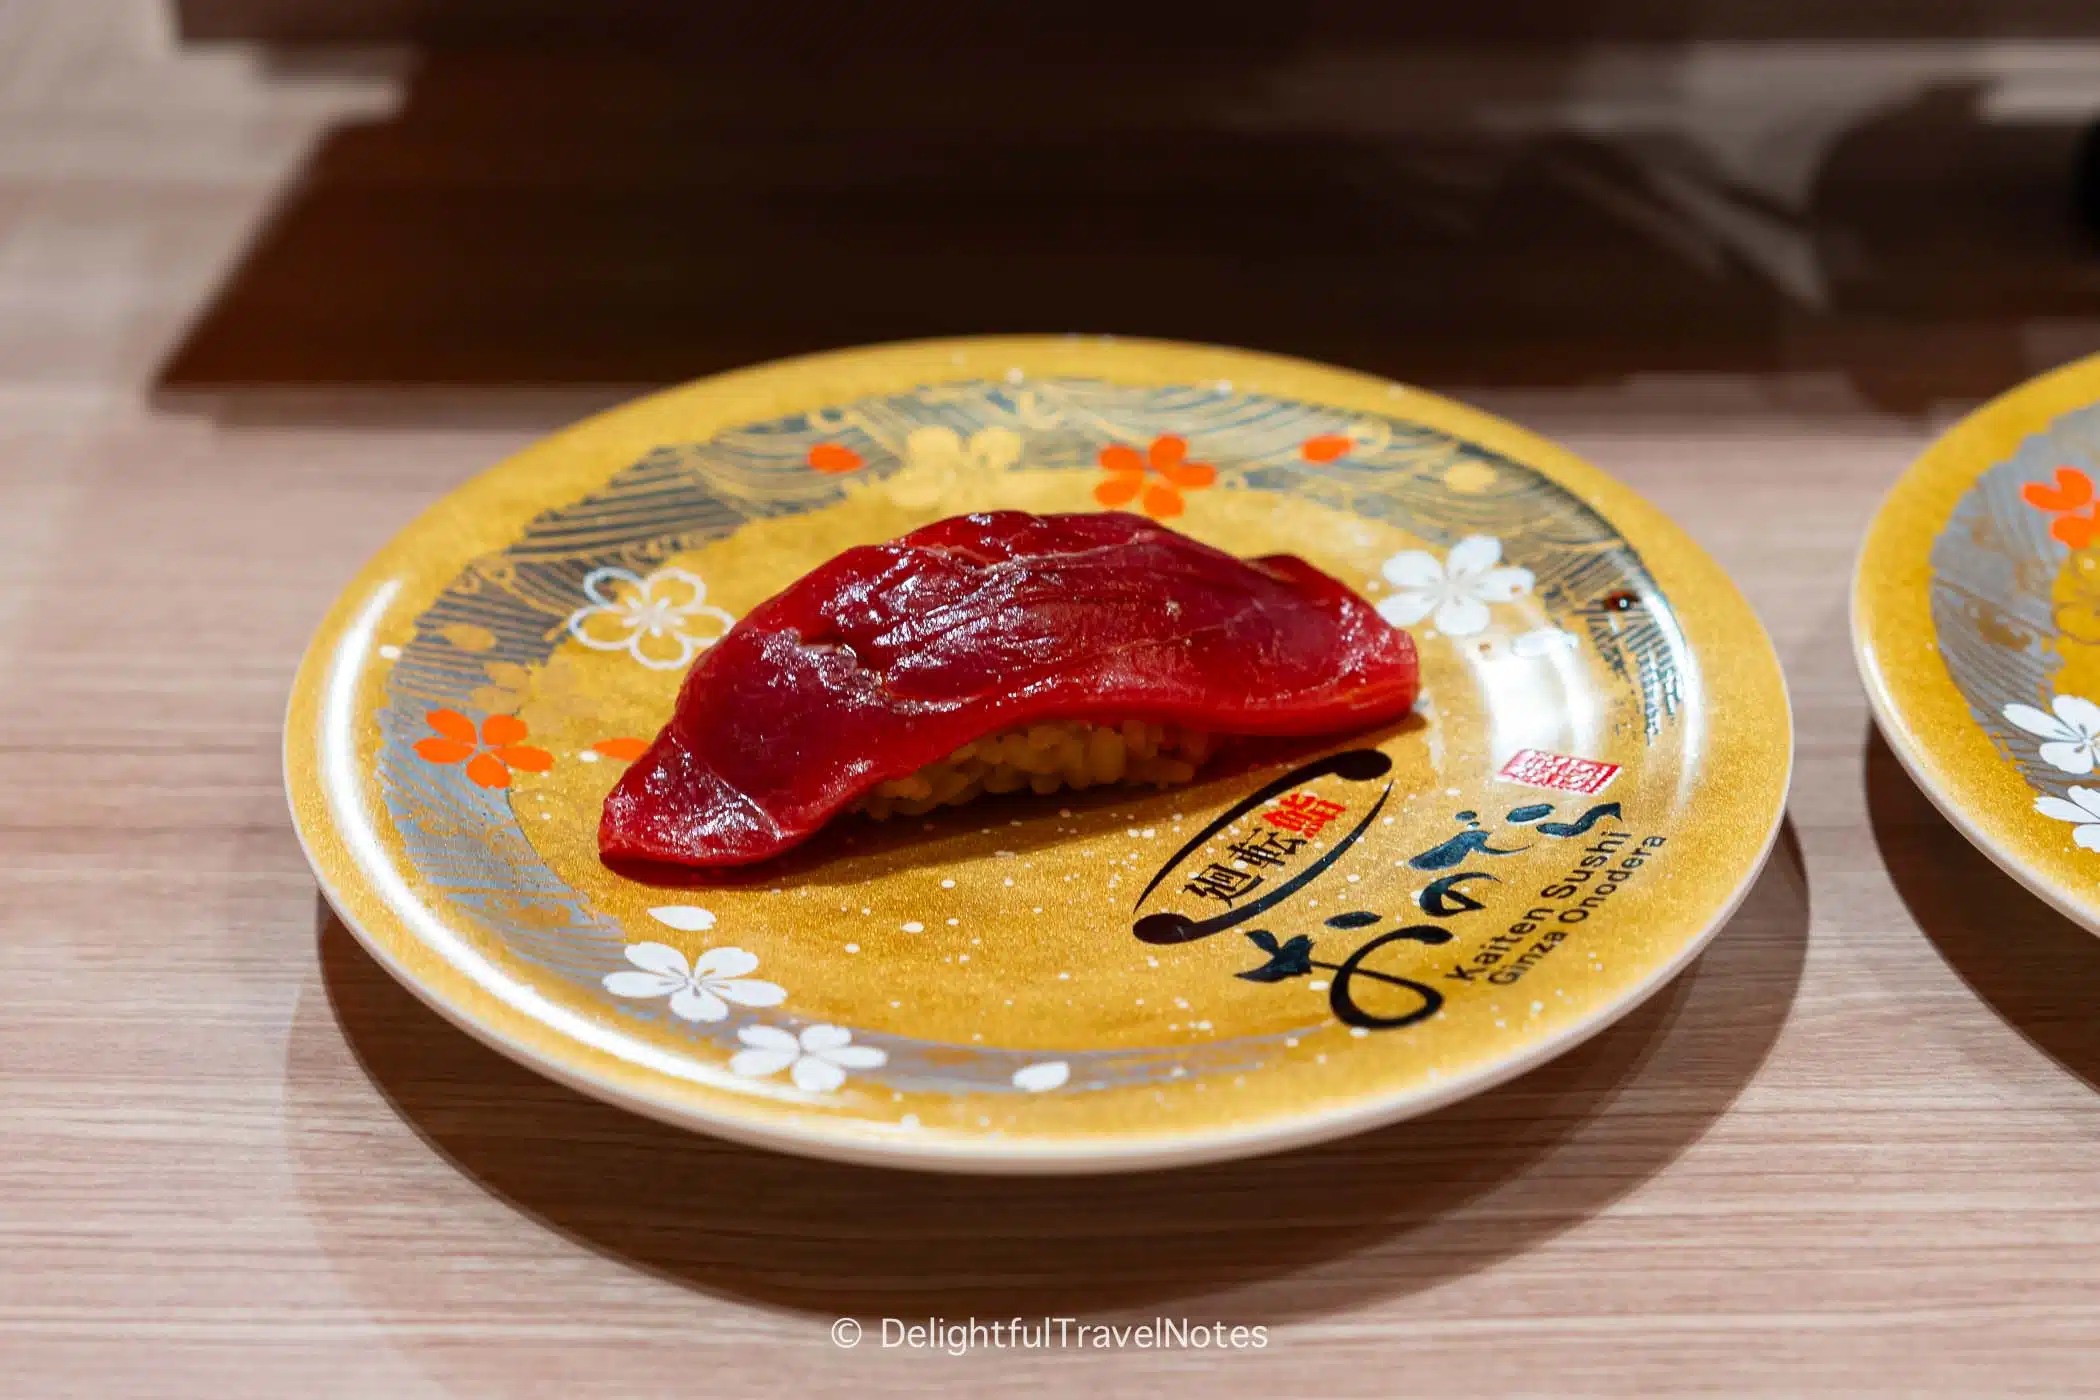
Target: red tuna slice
893 656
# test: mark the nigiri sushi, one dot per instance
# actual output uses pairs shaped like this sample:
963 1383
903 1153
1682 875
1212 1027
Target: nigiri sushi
993 653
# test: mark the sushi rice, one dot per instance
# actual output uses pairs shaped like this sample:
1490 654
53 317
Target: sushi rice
1043 758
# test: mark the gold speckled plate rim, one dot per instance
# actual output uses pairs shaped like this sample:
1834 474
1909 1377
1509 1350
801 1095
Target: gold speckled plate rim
488 510
1920 711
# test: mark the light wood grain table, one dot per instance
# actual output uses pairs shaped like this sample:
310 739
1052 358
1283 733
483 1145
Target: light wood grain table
254 315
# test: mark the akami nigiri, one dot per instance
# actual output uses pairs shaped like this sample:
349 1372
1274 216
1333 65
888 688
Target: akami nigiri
992 653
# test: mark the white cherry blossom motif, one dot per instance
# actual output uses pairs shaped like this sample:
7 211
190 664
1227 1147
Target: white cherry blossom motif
686 918
663 620
937 460
702 991
1455 591
2083 809
817 1060
2072 732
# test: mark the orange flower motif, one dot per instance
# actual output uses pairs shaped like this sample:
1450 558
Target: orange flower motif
1167 456
490 759
625 750
2071 494
1327 447
834 460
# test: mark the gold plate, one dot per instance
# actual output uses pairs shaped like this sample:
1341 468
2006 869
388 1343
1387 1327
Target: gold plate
1976 620
1295 946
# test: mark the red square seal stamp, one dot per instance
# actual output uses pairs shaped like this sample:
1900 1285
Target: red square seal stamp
1538 768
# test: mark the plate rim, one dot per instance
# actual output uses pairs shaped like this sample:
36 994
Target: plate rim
1949 466
846 1139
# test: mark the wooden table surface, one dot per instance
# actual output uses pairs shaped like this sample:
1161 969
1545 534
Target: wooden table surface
256 313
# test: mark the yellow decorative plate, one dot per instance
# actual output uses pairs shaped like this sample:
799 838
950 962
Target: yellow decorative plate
1283 951
1976 618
